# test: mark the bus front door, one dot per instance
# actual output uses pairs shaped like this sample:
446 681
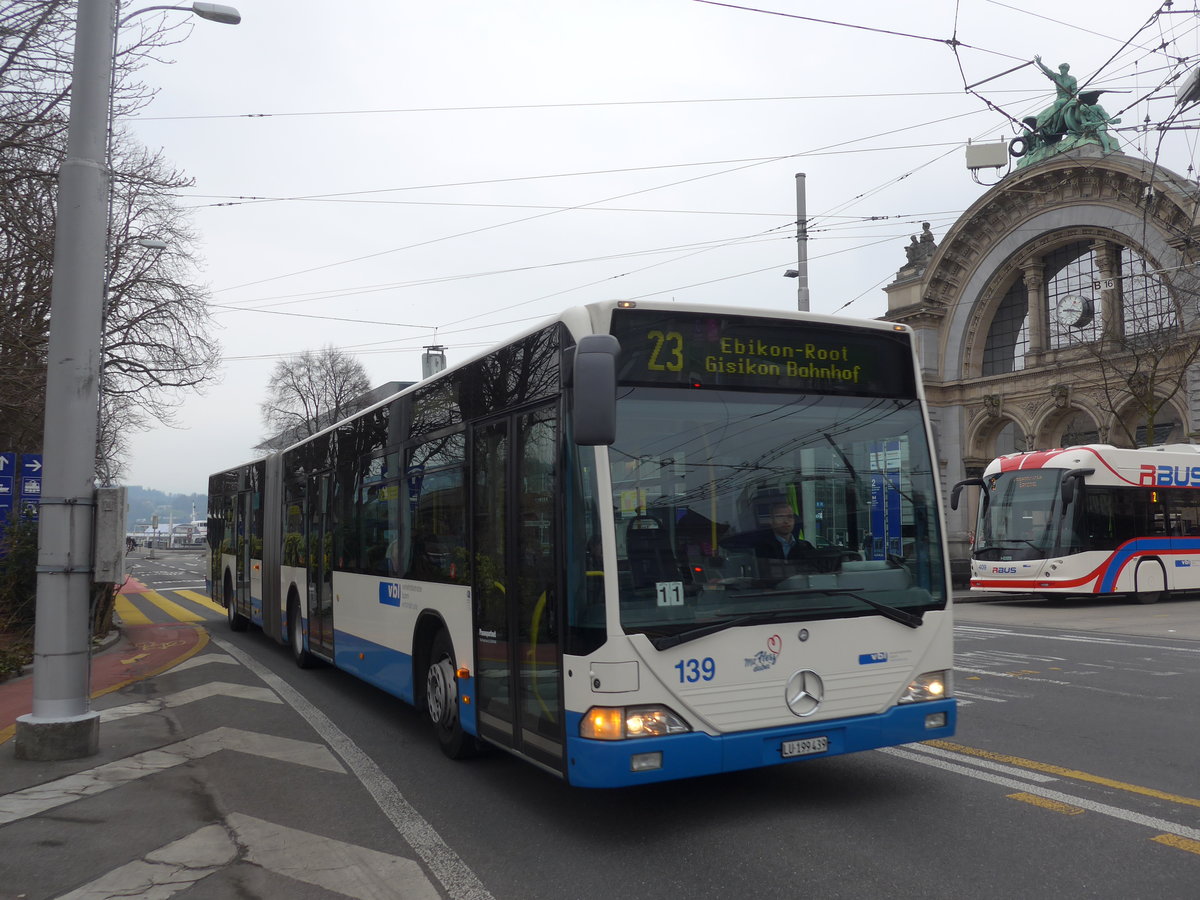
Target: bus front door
516 584
320 567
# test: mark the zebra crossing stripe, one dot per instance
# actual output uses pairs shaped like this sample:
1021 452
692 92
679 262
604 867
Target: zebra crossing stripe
130 614
171 608
197 597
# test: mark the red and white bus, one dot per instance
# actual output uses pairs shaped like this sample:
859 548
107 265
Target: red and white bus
1089 520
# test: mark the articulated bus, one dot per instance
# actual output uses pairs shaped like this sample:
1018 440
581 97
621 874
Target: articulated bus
642 541
1090 520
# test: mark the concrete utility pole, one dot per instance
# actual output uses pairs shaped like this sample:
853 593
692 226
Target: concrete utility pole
62 724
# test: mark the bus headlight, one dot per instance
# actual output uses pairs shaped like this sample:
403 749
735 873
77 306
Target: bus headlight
616 723
930 686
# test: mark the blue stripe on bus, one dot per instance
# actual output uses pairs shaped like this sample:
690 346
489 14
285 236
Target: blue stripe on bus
1129 550
608 763
391 671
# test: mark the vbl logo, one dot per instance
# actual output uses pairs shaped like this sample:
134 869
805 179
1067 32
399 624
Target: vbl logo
389 593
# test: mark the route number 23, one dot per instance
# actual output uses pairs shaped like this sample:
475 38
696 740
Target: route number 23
667 355
693 670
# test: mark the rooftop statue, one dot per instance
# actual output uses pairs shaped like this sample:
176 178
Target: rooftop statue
1072 120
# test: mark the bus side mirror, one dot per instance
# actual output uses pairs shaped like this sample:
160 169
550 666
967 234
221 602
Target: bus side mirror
1069 481
957 489
595 390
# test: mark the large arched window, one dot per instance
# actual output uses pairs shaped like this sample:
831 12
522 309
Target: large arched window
1010 439
1079 429
1145 300
1168 432
1071 277
1008 338
1073 311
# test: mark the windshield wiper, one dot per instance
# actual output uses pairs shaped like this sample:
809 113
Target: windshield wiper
665 641
902 616
1000 541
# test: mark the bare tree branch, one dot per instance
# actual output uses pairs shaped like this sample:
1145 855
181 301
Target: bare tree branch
309 392
157 330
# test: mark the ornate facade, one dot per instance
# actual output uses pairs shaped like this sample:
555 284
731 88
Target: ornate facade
1061 308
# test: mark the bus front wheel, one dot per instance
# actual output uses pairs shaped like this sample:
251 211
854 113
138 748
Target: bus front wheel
1147 597
303 658
441 699
237 622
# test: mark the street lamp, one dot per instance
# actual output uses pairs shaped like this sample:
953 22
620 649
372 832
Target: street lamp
214 12
62 724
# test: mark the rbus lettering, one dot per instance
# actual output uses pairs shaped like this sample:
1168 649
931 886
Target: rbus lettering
1146 475
1178 476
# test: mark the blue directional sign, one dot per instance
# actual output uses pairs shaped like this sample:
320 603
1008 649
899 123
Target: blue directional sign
8 467
9 483
31 482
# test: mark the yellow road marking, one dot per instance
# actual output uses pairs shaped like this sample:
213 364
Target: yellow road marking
134 659
197 597
172 609
130 614
1046 803
6 734
1179 843
1065 773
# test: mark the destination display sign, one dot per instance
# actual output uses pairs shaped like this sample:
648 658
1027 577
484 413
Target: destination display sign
711 350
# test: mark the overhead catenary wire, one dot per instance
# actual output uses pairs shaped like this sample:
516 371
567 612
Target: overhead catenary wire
683 287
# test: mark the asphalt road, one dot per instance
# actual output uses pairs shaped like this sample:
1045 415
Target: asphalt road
1074 774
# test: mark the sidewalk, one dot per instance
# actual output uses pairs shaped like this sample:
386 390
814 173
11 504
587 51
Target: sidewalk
207 783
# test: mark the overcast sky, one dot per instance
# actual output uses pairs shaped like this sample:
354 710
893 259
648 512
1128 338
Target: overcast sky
384 174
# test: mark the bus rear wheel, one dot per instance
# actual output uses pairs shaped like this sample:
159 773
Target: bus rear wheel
1147 597
441 700
237 622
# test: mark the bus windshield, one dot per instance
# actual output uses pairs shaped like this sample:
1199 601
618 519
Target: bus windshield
734 507
1017 514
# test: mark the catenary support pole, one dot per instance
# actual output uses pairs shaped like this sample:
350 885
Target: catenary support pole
62 725
801 244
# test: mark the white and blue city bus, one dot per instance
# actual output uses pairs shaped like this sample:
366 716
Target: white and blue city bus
560 547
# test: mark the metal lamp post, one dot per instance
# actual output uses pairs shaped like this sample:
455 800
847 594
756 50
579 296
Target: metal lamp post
62 724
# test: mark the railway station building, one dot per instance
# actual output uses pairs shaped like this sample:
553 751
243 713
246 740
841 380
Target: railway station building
1059 309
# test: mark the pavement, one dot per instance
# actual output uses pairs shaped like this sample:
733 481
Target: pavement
214 779
178 816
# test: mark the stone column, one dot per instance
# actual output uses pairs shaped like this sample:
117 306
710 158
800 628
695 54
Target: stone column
1112 320
1035 284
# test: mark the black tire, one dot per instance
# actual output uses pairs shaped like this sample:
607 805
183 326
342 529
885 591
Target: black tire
1148 597
237 622
441 700
303 658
